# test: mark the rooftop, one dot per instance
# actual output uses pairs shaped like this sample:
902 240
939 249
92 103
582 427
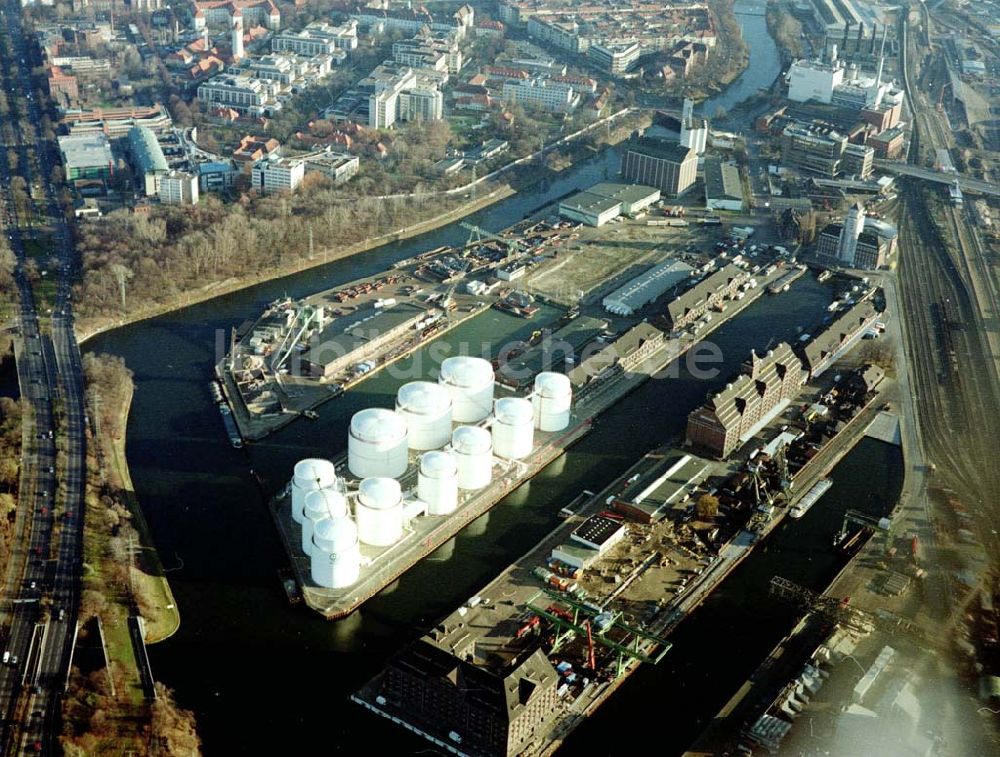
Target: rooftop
722 180
597 529
85 150
661 148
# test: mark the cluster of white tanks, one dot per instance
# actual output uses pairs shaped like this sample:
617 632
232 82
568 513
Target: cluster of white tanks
378 447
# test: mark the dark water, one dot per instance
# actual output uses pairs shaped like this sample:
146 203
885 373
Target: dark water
764 65
263 677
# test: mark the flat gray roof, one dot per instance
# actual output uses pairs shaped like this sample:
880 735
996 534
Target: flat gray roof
338 340
85 150
626 193
722 181
589 203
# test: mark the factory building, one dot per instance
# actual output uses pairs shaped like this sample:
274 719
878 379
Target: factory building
606 201
814 148
86 156
814 80
734 414
723 185
710 292
469 708
824 348
671 168
598 532
889 144
874 245
666 486
147 159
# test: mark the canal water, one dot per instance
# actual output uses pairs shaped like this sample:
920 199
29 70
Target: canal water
263 677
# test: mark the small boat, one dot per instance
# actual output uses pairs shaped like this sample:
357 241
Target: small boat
310 414
810 498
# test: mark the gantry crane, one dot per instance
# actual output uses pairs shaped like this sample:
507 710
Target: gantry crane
477 234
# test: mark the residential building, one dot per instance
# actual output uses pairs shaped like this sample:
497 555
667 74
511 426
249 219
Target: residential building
277 175
615 59
147 159
686 57
669 167
244 94
564 34
846 331
487 27
412 19
63 87
397 93
421 104
178 188
543 66
86 156
317 38
338 167
734 414
545 93
723 185
219 13
711 292
216 176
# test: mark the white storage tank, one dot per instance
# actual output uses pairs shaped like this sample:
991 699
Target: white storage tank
551 401
513 428
319 504
437 482
472 447
309 474
469 381
336 553
376 444
379 511
426 408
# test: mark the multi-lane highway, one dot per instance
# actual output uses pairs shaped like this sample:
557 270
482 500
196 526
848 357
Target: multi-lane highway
42 584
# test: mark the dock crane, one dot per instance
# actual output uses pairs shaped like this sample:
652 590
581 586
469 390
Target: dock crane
477 234
881 526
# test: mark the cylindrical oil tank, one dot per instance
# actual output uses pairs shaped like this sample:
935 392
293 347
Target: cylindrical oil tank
551 401
376 444
320 503
309 474
472 447
379 511
469 381
437 482
426 408
513 428
336 554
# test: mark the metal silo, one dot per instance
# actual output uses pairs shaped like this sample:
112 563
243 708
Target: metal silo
513 428
472 447
376 444
437 482
336 553
309 474
551 401
426 408
469 381
319 504
379 511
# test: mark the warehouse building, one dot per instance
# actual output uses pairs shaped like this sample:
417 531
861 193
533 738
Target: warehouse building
710 292
626 353
87 156
646 287
492 710
825 348
606 201
598 532
723 186
664 487
668 166
336 349
734 414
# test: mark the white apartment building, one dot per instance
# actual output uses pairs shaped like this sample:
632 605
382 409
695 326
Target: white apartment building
421 104
418 55
551 95
615 59
317 38
242 93
178 188
277 175
562 34
337 166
